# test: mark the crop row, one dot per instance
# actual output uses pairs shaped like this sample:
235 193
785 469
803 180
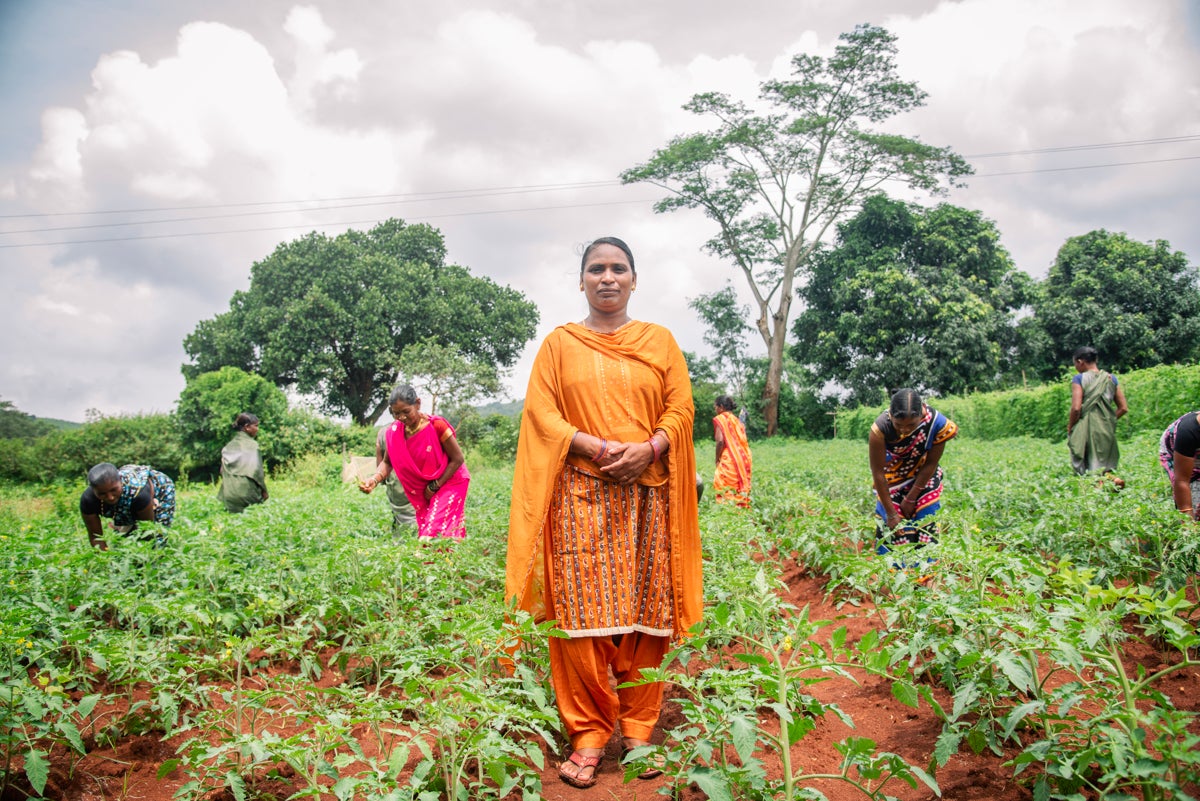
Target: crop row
301 644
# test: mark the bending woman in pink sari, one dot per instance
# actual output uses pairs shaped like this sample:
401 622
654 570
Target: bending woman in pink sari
429 465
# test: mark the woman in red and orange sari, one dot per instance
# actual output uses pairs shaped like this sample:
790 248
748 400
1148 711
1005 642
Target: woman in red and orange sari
732 480
429 465
604 537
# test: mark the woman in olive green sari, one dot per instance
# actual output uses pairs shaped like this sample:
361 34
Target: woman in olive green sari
242 481
1097 401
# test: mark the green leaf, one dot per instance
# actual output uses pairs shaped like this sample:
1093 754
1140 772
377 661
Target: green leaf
1015 671
167 768
37 770
906 693
744 734
712 784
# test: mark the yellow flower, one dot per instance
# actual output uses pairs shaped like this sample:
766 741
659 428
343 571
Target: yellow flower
787 642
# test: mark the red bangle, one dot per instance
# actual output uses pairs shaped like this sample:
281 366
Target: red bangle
603 450
654 447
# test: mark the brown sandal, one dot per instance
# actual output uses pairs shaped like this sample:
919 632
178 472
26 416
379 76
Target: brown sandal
580 761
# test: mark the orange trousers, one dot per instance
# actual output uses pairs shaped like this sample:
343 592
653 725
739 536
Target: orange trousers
589 706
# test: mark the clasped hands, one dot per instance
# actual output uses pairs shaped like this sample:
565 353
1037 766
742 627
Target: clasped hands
906 510
624 462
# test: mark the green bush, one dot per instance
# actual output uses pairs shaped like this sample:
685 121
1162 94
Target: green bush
211 402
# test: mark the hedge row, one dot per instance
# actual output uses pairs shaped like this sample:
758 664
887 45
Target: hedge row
1156 396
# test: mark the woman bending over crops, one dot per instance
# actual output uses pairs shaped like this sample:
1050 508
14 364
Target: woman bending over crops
603 536
429 464
1177 453
128 495
905 446
242 480
732 479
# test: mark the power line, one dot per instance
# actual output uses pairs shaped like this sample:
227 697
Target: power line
1085 167
312 225
437 196
416 195
1073 148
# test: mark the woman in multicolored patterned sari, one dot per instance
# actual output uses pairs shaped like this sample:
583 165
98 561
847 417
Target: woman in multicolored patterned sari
128 495
905 445
732 479
604 537
1177 453
429 465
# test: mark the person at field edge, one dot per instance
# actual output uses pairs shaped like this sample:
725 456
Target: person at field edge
604 535
429 465
404 517
731 481
128 495
243 482
1097 402
1177 454
905 447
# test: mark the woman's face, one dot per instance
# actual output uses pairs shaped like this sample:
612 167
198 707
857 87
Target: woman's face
408 414
109 493
906 425
608 279
252 430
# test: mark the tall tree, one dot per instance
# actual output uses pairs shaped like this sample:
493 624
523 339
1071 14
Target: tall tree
774 182
1137 303
726 334
913 297
331 316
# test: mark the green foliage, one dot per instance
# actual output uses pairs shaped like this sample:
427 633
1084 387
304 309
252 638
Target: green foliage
211 402
333 316
912 297
773 183
1157 396
726 335
446 377
1138 304
16 424
493 436
151 439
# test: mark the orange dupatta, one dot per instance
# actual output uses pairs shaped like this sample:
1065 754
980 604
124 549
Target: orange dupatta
732 481
579 383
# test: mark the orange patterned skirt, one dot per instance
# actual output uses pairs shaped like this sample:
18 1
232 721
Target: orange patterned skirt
610 563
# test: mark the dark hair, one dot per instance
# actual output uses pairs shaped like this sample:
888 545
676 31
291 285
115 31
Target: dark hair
403 393
103 473
607 240
244 420
906 404
725 402
1085 354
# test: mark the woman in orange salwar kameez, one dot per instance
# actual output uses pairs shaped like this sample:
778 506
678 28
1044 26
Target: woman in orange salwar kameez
732 481
603 531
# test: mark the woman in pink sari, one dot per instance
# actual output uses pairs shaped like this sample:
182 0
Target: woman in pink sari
429 465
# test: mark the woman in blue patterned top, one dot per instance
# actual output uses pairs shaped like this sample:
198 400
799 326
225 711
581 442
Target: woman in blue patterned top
128 495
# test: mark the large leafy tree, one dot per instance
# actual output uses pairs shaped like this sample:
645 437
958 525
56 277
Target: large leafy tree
1137 303
775 181
331 316
916 297
449 380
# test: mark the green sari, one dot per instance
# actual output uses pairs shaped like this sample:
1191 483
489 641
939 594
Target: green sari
1093 440
242 480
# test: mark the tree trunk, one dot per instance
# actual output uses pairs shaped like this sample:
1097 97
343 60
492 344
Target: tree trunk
775 369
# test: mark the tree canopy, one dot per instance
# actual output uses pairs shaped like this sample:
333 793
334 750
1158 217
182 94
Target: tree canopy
913 297
1136 303
16 424
774 182
331 316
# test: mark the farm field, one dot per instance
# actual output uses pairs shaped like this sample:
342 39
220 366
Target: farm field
300 650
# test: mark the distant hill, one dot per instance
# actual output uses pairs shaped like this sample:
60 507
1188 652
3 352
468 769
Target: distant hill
509 409
65 425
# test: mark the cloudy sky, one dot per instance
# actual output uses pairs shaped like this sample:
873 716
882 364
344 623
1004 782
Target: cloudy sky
152 151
